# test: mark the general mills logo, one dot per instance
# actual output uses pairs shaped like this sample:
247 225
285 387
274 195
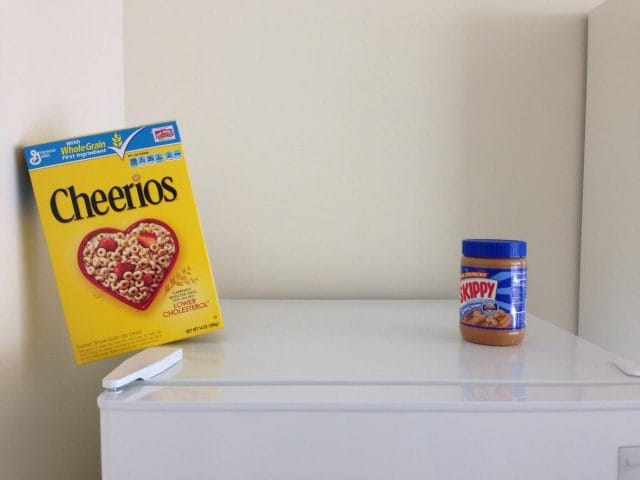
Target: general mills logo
34 157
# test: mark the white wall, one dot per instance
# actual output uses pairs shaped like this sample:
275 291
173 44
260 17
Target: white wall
610 268
61 74
343 149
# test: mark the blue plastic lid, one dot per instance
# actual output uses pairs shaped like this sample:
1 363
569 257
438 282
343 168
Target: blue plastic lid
494 248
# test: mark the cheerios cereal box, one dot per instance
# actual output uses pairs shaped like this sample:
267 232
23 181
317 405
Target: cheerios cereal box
125 239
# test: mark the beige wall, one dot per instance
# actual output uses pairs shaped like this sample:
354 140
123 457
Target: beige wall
343 149
61 74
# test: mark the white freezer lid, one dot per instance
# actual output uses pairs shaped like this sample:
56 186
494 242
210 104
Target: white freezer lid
376 342
364 346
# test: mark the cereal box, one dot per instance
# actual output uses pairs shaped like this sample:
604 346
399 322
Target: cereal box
124 238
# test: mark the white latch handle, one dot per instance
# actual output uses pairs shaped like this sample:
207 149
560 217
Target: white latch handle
142 366
627 366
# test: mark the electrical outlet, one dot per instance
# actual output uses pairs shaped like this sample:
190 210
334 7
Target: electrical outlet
629 463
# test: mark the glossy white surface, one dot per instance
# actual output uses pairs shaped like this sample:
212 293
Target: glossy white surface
348 355
371 390
275 341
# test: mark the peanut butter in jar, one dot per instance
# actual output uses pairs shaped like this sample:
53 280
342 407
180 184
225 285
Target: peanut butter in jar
493 291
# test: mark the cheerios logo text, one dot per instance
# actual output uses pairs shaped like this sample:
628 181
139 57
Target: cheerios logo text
68 205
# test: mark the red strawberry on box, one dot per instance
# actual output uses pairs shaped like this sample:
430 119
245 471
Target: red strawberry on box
109 244
122 268
146 239
106 255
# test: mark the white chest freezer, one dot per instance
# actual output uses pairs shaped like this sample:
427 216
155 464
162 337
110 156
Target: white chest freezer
373 390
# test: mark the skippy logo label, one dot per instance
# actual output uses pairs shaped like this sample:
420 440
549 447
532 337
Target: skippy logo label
471 288
493 298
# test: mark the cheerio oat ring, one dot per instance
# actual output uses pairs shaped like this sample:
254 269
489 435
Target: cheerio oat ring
131 264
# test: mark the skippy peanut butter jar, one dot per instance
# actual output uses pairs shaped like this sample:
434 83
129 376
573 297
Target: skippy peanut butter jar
125 240
493 290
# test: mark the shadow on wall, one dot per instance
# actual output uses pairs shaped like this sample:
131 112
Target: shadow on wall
524 93
41 308
51 391
45 339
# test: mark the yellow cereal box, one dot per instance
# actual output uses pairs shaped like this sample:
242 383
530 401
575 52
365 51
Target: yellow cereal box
124 238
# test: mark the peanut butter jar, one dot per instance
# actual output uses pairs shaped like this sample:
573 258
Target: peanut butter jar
493 291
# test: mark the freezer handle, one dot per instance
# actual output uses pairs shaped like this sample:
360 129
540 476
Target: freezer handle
627 366
142 366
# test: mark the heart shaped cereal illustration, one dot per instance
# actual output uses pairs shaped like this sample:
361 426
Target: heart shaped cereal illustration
130 265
